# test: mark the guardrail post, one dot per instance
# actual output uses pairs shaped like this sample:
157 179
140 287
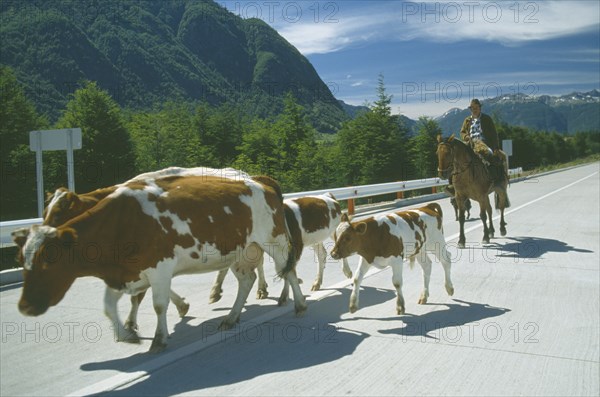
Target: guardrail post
434 189
399 195
350 206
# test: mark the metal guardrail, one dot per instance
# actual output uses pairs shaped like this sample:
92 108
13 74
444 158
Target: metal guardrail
341 194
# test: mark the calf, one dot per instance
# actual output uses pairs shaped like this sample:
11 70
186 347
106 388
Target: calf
387 239
147 231
311 220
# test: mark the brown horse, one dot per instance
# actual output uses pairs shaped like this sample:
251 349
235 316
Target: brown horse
471 179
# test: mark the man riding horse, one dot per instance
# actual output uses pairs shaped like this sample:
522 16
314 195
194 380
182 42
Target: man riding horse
479 132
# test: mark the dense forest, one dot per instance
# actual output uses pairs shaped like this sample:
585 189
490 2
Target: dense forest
119 143
147 52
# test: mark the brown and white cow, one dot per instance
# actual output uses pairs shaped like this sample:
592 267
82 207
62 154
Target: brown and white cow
64 205
311 220
147 231
387 239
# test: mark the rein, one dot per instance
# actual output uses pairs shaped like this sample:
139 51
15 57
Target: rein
466 167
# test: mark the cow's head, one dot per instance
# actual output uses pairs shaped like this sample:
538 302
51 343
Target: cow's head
61 206
347 238
46 255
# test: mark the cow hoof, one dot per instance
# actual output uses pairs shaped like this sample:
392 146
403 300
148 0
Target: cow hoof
348 273
282 301
353 308
450 290
461 244
183 309
422 300
301 309
214 298
226 325
157 347
400 310
315 287
129 337
503 232
486 241
262 294
131 326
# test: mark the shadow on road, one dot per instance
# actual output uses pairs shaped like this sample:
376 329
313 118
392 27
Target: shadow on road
534 247
284 344
455 315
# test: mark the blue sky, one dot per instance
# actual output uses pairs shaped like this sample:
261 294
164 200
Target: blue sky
436 55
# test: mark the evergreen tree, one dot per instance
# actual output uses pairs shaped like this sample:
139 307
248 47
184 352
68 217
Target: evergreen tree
423 148
17 168
372 147
106 156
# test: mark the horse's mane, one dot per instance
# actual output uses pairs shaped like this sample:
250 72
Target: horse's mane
468 148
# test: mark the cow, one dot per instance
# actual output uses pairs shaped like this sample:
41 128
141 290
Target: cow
311 220
387 239
63 205
148 231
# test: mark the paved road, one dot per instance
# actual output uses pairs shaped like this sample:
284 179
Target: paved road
525 320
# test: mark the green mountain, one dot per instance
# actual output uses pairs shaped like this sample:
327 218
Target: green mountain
566 114
145 52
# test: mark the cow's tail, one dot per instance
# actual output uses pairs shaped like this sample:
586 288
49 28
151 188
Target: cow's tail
294 237
436 208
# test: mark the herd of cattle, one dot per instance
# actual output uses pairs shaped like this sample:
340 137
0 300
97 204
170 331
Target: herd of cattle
141 233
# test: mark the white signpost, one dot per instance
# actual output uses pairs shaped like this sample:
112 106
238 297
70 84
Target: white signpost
507 149
67 139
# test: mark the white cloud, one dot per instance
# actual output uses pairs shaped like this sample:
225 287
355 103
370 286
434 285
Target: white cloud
510 23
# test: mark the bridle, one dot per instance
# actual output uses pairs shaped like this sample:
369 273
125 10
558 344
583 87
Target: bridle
463 169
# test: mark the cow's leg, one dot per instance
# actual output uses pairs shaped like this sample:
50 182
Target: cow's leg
246 278
425 263
346 268
285 258
131 322
217 288
321 257
361 270
180 303
122 334
160 281
396 264
261 292
444 257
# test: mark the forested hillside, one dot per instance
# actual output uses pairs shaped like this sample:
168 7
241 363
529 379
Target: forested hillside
144 53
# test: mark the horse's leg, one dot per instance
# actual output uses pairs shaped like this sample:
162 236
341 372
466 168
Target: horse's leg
501 204
491 229
460 202
483 206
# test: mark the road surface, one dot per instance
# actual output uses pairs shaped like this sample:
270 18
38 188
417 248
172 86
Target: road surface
524 320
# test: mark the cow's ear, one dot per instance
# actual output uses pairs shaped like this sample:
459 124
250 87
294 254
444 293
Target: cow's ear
67 235
345 217
450 138
439 138
73 200
361 228
19 236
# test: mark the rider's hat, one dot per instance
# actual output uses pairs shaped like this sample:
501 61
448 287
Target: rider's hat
475 102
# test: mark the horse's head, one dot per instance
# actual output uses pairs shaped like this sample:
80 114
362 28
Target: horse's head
445 155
